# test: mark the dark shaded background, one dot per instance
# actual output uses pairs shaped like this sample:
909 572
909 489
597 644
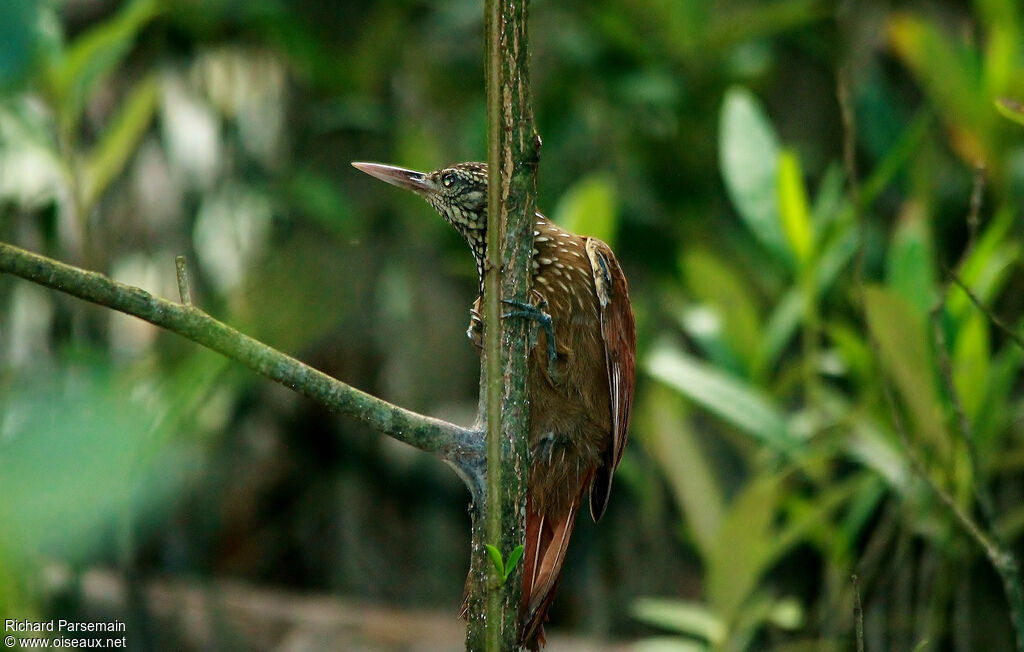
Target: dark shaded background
703 140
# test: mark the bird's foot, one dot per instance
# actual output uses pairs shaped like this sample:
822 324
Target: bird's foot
475 332
537 314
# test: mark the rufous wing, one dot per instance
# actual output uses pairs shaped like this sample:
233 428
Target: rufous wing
619 334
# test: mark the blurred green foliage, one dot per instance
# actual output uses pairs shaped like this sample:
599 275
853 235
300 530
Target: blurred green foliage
704 140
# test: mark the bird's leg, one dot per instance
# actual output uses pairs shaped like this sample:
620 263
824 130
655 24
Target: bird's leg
475 332
537 314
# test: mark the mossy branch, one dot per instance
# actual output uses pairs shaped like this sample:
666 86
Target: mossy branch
461 447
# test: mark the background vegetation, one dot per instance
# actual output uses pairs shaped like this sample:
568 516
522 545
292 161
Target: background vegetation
790 317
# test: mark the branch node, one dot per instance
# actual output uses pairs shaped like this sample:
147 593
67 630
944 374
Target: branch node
183 289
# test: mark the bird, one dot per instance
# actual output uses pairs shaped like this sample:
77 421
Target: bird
580 370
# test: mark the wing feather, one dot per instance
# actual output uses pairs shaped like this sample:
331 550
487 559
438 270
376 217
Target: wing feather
619 334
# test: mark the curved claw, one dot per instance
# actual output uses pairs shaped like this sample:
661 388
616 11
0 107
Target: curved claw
537 314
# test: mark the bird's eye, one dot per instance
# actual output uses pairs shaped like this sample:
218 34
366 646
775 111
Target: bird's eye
447 180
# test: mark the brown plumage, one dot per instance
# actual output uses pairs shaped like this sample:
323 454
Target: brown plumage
580 401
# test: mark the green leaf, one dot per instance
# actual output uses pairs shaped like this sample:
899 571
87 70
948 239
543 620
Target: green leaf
504 570
949 72
995 415
910 267
749 151
785 318
852 348
1002 24
499 563
117 144
756 533
989 265
93 55
688 618
1011 109
513 559
970 359
780 327
796 218
713 282
876 451
862 510
807 519
740 23
590 207
903 341
829 202
741 404
898 155
674 446
743 548
704 325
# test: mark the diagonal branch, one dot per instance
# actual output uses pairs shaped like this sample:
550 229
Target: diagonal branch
1006 329
983 496
460 447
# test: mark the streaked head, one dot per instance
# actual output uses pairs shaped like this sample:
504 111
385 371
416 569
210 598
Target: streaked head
458 193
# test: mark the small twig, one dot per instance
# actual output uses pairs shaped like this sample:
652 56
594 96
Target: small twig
999 553
846 113
980 489
917 465
1004 563
963 424
974 210
980 305
849 129
183 290
858 614
850 162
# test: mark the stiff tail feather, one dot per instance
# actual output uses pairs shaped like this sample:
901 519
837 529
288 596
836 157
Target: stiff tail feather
547 539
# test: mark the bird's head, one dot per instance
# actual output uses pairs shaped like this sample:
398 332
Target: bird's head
458 193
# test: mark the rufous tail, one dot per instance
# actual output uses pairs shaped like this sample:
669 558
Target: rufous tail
547 539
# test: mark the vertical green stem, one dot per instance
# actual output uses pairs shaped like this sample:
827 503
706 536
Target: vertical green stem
512 147
493 327
809 334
